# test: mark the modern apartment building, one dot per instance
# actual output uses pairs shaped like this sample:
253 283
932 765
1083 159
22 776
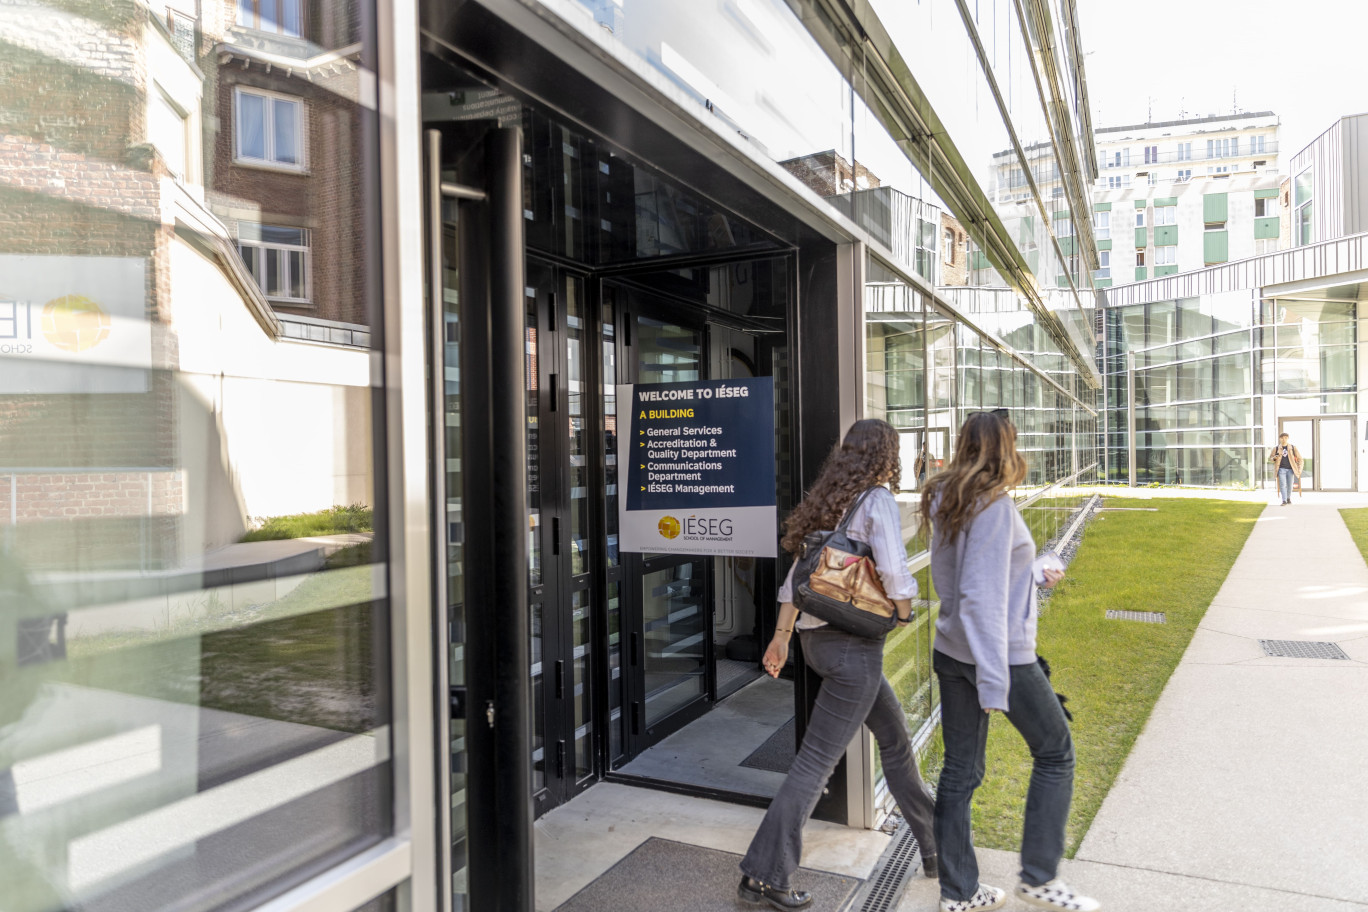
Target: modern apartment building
1206 367
1195 192
394 260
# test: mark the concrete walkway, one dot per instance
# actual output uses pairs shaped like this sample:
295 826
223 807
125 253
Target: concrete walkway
1248 788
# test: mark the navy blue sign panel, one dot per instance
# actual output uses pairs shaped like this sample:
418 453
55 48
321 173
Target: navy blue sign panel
700 469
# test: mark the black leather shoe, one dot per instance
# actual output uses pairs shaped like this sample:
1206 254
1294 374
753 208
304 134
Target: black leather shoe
755 892
931 866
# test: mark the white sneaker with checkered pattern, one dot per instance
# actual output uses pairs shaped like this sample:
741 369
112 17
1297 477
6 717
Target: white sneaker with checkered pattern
984 898
1056 895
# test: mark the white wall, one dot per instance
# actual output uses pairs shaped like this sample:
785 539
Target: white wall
264 427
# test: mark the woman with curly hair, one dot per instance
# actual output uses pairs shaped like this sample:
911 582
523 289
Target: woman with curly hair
982 562
854 691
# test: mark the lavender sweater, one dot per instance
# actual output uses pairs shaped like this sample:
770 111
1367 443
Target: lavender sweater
988 598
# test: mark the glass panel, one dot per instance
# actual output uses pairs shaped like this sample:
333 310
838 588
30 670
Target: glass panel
251 126
675 626
454 528
1301 434
616 720
578 468
289 17
1337 454
269 15
296 273
286 133
667 353
200 717
582 696
610 379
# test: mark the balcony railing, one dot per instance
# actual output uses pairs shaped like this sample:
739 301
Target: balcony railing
1171 156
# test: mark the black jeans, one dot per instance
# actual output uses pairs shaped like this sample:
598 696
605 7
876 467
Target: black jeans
1034 711
854 692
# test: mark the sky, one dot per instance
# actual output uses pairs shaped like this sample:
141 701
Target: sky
1155 60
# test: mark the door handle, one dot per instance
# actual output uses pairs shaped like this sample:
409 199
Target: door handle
560 679
636 645
555 390
555 535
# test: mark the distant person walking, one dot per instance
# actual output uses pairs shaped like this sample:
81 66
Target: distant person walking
982 558
854 691
923 462
1289 462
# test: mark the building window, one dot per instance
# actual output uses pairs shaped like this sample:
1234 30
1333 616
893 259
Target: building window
1184 175
1114 182
1103 265
280 16
1302 203
1223 148
1265 208
1153 178
1064 227
1140 257
167 129
269 129
1102 225
278 258
1166 256
1258 144
1165 215
1185 151
1151 155
1139 218
949 247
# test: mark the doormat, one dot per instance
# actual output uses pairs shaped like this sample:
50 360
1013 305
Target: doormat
663 874
776 754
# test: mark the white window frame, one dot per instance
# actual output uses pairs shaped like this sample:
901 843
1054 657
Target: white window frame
1102 225
1151 155
1139 218
1103 265
1165 215
159 97
1185 151
268 129
1140 256
948 236
1265 203
1184 175
257 250
1166 255
253 17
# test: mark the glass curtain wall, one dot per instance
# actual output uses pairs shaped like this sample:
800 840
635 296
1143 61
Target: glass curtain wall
925 373
1213 375
194 610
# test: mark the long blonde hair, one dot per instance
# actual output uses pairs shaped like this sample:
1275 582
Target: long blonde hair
986 463
867 456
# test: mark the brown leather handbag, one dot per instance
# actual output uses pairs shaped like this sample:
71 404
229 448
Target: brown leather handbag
836 581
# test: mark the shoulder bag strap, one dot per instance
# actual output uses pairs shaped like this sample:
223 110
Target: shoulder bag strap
850 511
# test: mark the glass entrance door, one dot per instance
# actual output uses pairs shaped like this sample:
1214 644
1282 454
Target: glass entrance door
670 625
1326 444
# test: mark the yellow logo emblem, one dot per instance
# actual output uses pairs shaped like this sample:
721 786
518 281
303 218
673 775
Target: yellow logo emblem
74 323
668 526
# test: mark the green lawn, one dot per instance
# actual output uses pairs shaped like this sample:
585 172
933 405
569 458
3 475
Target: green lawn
332 521
1356 519
1173 560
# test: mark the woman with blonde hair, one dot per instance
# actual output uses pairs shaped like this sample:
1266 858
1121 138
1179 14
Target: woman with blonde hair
854 691
982 558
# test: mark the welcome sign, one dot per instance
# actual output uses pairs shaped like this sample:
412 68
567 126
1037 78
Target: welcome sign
696 467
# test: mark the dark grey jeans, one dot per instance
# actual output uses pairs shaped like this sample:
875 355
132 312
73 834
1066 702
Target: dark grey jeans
1034 711
853 693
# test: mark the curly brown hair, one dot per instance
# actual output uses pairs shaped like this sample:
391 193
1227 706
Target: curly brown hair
866 457
986 463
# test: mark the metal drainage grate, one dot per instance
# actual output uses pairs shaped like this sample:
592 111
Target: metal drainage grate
883 890
1148 617
1302 649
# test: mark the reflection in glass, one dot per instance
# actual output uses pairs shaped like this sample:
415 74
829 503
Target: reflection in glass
194 611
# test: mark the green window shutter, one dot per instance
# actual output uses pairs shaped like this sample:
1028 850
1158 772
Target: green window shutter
1214 207
1101 207
1140 204
1141 237
1167 201
1104 245
1165 235
1062 281
1267 227
1270 193
1102 283
1066 244
1141 273
1216 246
1164 270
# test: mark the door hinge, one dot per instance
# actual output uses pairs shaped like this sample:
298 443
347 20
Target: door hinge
489 712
